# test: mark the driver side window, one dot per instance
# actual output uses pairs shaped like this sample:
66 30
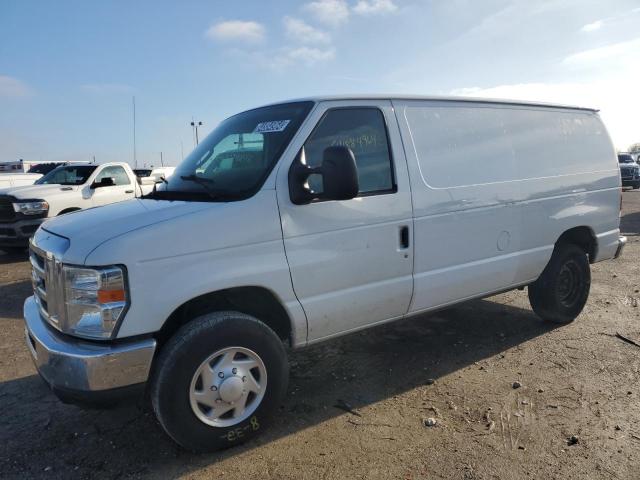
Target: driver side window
363 131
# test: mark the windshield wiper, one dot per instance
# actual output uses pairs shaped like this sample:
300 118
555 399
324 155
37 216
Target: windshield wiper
203 182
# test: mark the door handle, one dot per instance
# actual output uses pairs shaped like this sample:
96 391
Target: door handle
404 237
128 191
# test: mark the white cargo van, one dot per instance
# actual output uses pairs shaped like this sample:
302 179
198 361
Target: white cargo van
297 222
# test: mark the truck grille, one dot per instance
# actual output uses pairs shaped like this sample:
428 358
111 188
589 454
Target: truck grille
626 172
6 210
46 279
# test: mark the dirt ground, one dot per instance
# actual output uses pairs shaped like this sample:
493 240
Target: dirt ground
456 366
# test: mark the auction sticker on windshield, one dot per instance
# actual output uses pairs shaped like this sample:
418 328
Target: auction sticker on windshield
274 126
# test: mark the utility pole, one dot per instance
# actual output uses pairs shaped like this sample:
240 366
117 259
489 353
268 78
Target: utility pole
195 126
135 159
161 162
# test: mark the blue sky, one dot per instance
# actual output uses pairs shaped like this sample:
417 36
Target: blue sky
69 69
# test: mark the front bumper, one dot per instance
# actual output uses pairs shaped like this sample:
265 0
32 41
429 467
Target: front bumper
17 234
79 371
622 241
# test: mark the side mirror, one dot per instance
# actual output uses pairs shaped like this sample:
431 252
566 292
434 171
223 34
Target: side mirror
104 182
339 177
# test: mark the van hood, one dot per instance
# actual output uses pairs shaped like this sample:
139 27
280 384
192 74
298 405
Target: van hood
39 192
89 228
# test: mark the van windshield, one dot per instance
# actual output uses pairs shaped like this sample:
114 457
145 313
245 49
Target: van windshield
234 160
625 159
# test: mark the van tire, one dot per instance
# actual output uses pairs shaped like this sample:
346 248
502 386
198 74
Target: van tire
561 291
182 356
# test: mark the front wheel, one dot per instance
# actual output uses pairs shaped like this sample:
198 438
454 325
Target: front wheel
561 292
218 380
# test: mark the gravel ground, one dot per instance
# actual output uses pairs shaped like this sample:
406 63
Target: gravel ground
457 367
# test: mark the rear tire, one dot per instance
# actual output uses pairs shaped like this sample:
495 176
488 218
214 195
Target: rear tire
561 292
206 368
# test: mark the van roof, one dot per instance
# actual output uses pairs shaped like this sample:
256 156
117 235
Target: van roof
437 98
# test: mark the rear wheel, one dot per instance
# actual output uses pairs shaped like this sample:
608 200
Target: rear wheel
218 380
560 293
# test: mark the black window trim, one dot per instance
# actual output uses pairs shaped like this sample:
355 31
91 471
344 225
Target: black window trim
392 163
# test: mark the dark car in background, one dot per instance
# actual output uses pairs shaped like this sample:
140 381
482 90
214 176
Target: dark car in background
142 172
44 168
629 170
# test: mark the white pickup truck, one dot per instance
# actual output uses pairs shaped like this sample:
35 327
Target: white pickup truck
297 222
63 190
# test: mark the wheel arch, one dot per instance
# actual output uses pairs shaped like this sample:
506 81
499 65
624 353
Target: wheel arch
584 237
68 210
256 301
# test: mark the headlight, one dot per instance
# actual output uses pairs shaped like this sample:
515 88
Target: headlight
95 299
31 208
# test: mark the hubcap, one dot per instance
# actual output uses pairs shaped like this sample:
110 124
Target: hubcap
570 284
231 389
228 387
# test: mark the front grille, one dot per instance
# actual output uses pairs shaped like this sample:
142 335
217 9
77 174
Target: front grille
6 210
47 287
29 229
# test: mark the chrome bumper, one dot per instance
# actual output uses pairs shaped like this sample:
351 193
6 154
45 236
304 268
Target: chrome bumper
70 364
622 241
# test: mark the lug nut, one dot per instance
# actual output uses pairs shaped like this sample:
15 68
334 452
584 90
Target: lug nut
244 379
234 371
221 375
213 388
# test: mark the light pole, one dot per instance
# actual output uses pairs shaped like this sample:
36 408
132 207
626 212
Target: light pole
135 158
195 126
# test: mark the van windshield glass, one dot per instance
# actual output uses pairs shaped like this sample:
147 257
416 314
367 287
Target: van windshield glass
235 159
69 175
625 159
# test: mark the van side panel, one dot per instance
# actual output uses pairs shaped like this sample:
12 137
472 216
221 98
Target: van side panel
493 188
205 250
